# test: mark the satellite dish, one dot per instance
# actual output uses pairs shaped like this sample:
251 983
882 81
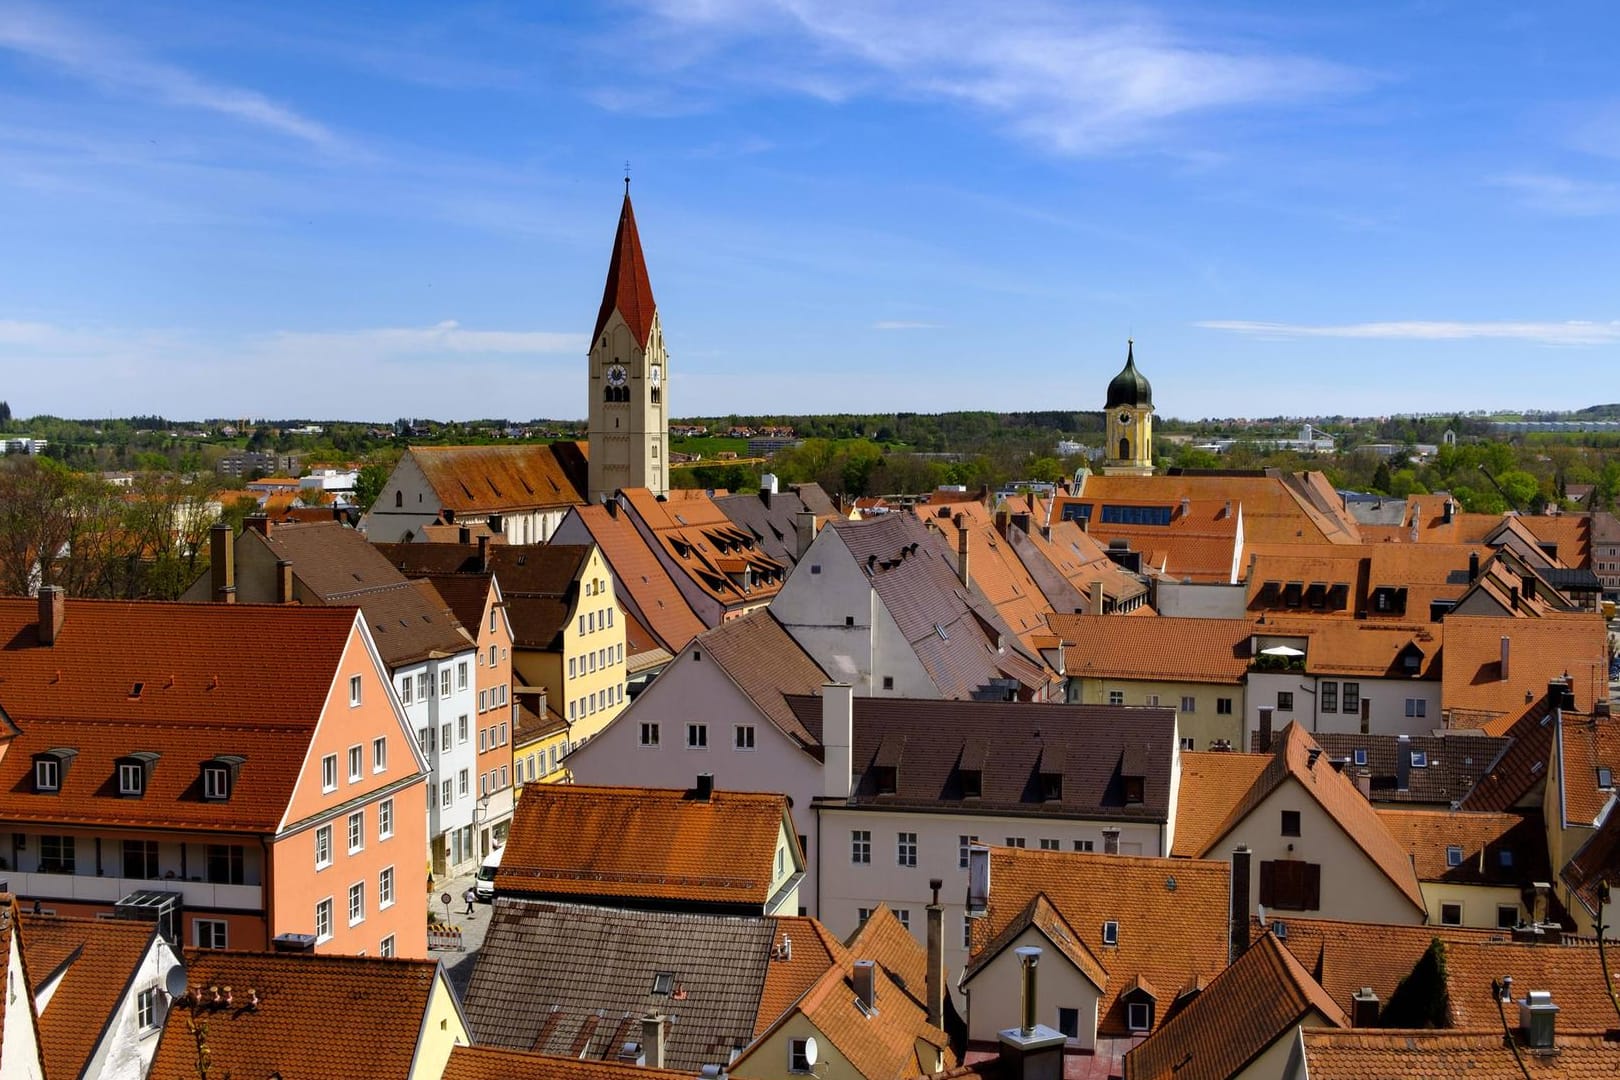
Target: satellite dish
810 1049
175 981
1260 909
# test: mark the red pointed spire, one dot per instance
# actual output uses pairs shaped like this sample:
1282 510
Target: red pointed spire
628 288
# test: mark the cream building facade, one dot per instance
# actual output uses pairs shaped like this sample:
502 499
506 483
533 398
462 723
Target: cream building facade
629 376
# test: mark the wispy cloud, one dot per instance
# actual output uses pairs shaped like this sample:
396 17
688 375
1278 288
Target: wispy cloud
83 52
1074 81
903 324
1543 333
1564 195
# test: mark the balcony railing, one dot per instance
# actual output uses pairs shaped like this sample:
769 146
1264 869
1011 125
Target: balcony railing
90 889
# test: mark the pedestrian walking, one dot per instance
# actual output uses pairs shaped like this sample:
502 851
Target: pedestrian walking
470 895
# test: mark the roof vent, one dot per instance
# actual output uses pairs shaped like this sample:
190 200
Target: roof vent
1538 1017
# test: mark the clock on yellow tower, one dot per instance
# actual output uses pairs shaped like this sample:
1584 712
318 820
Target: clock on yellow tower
1128 421
629 380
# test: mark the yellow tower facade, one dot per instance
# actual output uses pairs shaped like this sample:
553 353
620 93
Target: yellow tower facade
1128 421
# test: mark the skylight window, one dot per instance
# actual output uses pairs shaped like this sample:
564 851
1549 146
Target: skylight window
664 983
1361 757
1454 855
1110 933
1420 759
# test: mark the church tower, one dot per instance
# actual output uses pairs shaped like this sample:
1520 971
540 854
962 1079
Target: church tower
1128 420
629 376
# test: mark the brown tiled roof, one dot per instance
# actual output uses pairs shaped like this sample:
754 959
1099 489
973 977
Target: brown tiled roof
97 961
1077 556
1481 840
466 595
1522 764
1338 796
1540 650
1589 743
1266 987
1212 784
380 1006
1163 649
656 844
224 664
766 664
994 566
412 623
575 980
953 630
1455 763
1572 973
498 479
891 946
770 519
1172 914
628 290
696 536
494 1063
539 582
802 951
1442 1055
640 581
1598 859
929 742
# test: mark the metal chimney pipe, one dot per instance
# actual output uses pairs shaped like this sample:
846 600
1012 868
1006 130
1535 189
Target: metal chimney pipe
1028 957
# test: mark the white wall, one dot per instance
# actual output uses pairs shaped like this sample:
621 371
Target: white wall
1388 698
446 762
995 997
847 886
1201 601
126 1049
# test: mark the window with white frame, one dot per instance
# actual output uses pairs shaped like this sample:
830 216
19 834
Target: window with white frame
357 831
379 754
1189 704
1116 697
503 734
405 690
461 783
329 772
462 726
386 949
967 932
385 819
357 902
505 779
963 843
1049 845
323 847
1085 845
860 846
697 736
447 795
1187 742
47 775
446 737
461 675
444 682
905 849
424 685
483 701
649 733
573 662
210 934
385 888
323 920
904 915
146 1009
216 782
745 736
799 1056
357 761
354 690
1417 707
131 779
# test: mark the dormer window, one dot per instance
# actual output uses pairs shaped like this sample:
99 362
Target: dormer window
51 769
1133 789
134 773
219 777
972 783
1052 787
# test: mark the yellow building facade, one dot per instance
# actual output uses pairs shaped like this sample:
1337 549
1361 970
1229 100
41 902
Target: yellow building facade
1128 422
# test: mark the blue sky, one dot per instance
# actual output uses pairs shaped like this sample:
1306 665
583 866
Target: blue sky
401 209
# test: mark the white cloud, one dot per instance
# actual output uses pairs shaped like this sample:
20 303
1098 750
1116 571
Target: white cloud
1563 194
1069 79
1544 333
80 51
903 324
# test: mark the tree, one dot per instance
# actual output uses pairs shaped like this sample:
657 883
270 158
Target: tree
369 484
5 413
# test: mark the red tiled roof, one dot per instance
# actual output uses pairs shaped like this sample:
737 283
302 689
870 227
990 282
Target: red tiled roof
1589 743
1481 838
1212 784
628 290
483 480
697 537
378 1005
1278 508
1163 649
640 581
801 953
1522 765
494 1063
101 958
1597 860
1479 1054
1271 992
579 841
1539 650
883 940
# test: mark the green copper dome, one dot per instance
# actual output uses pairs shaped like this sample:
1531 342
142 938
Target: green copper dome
1129 387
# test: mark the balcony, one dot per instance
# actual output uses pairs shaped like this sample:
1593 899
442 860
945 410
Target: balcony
89 889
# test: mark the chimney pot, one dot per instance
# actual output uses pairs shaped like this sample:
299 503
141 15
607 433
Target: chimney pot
52 610
284 582
1029 958
1473 566
259 523
963 540
652 1040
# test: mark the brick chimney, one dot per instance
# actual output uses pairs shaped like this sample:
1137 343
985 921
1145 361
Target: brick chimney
804 532
1242 861
935 985
260 523
837 739
284 582
483 554
52 610
221 564
963 542
1263 742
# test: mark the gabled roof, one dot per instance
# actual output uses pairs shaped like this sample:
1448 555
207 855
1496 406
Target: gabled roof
646 844
93 963
929 743
726 563
1277 507
1162 649
380 1005
1337 796
482 480
994 566
22 1002
639 580
771 518
575 980
1266 987
1197 540
1478 1054
1172 915
892 947
1597 860
1042 916
221 664
767 665
1455 762
495 1063
1481 840
538 582
1426 572
1212 784
1472 685
1570 534
1370 650
1587 744
801 953
1522 764
628 290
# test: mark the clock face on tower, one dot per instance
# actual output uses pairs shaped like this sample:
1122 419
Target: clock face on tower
1124 417
657 376
616 375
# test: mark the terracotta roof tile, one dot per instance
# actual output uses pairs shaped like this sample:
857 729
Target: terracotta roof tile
1161 649
101 958
494 1063
995 567
1479 841
1571 534
1278 508
1539 650
496 479
767 665
640 581
1266 987
1522 764
1040 914
1441 1055
882 939
1200 541
575 840
1338 796
576 980
1212 784
1590 745
381 1005
1368 649
1169 934
628 290
802 951
10 920
1598 859
724 562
